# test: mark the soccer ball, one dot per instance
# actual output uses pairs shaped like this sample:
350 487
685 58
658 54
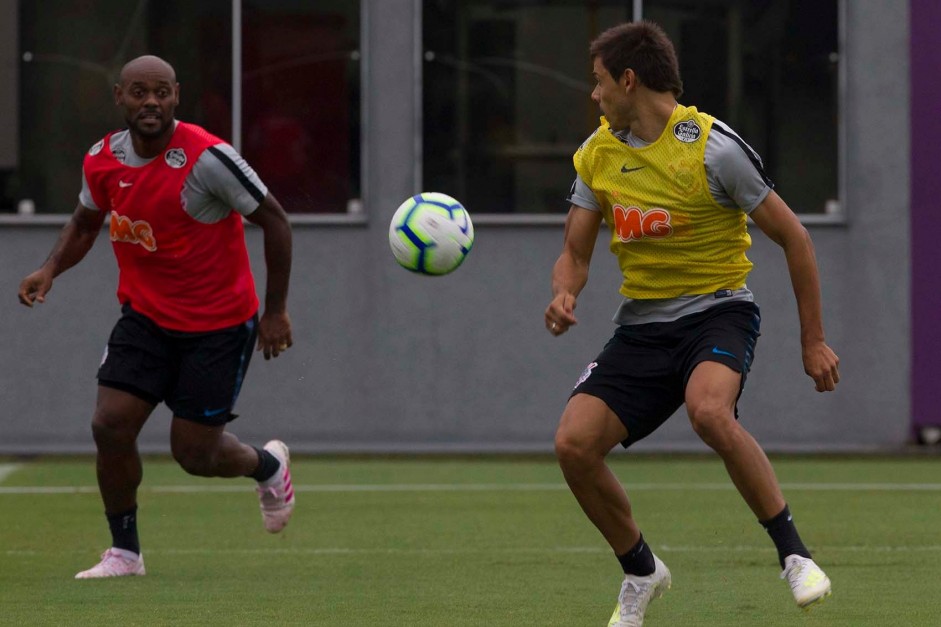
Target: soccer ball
431 233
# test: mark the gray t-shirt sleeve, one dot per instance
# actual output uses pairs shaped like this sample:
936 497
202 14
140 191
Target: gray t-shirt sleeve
581 195
219 181
84 196
734 170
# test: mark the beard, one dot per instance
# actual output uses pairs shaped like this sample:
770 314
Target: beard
147 128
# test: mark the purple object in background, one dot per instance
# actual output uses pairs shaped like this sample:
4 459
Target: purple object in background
925 185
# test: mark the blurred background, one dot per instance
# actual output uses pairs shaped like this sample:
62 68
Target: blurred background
347 107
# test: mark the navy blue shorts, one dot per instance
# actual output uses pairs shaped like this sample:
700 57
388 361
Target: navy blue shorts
641 373
198 375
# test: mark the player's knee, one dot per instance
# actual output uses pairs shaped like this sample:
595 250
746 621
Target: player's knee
572 451
109 431
714 423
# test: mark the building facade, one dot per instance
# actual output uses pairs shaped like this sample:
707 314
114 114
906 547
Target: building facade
486 101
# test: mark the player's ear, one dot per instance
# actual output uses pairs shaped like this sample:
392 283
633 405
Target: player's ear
629 79
116 91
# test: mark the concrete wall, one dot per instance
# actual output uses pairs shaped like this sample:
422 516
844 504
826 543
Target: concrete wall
388 361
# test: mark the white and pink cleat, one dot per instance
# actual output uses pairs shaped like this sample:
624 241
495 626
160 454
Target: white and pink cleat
276 495
115 563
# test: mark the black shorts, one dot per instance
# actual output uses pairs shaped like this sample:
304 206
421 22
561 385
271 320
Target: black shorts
641 373
198 375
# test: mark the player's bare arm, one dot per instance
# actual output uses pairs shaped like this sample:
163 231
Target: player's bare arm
74 242
274 329
778 222
570 273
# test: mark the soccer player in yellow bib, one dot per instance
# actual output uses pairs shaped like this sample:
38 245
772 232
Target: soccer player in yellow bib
674 186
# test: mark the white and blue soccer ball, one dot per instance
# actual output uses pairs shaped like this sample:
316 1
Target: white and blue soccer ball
431 233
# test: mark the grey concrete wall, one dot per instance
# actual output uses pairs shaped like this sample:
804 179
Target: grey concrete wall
388 361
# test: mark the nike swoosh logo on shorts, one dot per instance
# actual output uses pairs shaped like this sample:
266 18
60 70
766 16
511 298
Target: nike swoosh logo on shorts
719 351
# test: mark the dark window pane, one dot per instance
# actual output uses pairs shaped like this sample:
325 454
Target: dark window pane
71 55
769 69
506 91
506 101
300 98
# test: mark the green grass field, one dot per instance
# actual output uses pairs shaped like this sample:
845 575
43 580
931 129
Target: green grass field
464 541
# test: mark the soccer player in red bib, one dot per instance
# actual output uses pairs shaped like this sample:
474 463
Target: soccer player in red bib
175 196
674 186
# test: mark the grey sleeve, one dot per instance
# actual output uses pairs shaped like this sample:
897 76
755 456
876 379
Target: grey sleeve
734 170
222 173
84 196
581 195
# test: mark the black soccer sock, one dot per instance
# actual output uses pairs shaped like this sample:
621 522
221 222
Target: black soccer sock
267 465
784 535
124 530
639 560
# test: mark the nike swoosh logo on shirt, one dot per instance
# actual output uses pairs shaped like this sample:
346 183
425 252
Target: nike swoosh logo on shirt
123 184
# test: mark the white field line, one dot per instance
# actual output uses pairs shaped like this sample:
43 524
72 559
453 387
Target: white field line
7 469
662 548
480 487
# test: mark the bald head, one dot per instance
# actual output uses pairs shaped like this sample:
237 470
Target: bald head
149 67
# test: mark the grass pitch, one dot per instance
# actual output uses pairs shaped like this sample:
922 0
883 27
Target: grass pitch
417 542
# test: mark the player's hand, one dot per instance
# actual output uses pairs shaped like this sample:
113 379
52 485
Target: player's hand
274 334
822 365
560 314
35 287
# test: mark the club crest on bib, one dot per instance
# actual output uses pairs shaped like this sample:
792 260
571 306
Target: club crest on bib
175 158
687 131
94 150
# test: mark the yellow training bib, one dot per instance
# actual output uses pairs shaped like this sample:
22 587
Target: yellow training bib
670 236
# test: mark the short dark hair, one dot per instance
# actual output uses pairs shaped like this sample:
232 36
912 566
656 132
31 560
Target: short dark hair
643 47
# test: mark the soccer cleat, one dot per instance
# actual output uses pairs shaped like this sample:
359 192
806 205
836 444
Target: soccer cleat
808 583
115 563
637 592
277 494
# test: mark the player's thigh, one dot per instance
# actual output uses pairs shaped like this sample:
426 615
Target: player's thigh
712 390
139 359
726 334
719 349
636 379
119 411
212 369
190 439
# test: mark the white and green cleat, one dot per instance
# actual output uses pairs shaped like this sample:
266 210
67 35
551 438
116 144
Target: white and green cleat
808 582
637 593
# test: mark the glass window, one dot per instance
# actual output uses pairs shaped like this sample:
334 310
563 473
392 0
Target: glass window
300 99
70 57
300 91
506 91
770 70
